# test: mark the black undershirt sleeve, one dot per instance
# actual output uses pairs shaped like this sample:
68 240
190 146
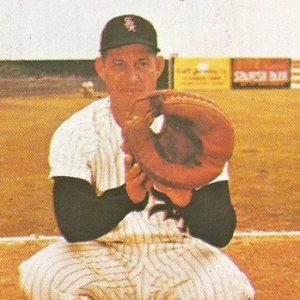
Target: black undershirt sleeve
82 215
210 216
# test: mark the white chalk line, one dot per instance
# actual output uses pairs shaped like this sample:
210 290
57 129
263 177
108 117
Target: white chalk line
42 238
266 233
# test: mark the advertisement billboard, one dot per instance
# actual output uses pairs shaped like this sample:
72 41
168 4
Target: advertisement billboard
260 72
201 73
295 74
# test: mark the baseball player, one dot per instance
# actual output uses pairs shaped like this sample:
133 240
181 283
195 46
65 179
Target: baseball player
87 89
127 237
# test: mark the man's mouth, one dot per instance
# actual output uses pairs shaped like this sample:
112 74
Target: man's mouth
134 90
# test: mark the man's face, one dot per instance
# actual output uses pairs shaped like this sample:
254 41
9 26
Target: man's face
129 72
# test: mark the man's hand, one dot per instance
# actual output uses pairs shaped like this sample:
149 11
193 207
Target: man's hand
179 197
137 185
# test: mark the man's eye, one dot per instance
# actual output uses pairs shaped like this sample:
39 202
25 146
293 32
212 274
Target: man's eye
118 64
143 64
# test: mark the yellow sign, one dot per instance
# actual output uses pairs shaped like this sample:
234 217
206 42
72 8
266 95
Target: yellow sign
202 73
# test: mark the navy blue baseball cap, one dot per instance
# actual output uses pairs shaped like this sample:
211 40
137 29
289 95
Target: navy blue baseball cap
128 29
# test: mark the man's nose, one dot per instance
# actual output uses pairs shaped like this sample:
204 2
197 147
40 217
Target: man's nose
133 74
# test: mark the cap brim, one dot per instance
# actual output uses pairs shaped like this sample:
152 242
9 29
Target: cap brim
128 41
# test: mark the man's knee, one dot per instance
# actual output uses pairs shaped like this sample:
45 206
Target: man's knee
35 284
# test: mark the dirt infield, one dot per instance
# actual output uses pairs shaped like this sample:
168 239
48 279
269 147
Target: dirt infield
265 186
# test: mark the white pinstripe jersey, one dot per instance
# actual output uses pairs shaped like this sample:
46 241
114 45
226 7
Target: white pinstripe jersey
142 257
88 146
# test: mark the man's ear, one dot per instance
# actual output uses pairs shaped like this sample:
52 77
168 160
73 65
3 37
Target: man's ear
160 65
99 66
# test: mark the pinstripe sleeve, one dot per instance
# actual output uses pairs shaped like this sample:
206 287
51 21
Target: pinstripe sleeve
72 146
224 176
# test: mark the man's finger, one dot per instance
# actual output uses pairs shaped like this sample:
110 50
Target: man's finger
128 162
133 172
148 184
138 178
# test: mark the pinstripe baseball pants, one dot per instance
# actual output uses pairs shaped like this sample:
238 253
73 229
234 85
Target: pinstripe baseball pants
112 270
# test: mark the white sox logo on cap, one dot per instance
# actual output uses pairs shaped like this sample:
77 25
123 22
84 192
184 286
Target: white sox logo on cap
129 24
128 29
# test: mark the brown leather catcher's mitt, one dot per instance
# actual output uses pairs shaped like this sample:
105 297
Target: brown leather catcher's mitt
179 139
